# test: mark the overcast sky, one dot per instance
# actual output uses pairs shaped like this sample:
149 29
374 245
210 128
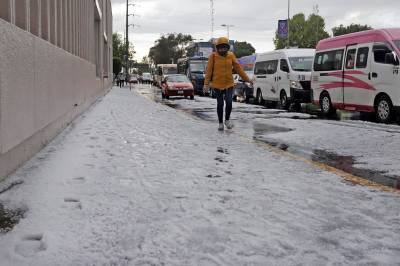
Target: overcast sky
255 20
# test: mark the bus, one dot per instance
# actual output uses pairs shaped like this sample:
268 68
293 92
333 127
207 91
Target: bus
194 68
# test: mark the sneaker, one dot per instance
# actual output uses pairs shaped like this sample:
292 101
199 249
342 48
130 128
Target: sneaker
228 124
221 127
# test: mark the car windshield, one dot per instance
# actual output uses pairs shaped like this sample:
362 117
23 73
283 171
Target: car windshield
397 43
301 63
198 66
178 78
170 70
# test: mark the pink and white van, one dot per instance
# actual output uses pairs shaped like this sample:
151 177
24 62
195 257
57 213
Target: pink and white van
359 72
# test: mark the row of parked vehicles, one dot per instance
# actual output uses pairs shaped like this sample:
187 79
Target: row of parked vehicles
354 72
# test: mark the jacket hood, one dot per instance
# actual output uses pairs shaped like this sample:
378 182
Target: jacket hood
222 40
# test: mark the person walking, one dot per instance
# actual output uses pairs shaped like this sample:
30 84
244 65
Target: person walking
219 76
121 80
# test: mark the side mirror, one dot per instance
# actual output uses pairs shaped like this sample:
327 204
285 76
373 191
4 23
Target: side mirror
391 58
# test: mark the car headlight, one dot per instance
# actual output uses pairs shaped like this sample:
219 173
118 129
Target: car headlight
295 84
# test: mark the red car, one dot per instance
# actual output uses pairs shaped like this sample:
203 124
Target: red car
177 85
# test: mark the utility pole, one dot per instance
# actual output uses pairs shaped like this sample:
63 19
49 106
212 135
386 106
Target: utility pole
212 18
127 39
127 25
288 25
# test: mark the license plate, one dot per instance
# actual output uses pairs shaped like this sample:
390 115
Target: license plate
180 92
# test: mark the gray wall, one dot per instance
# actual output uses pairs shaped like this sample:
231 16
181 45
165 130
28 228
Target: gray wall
55 60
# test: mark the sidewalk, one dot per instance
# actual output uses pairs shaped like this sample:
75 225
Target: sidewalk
133 182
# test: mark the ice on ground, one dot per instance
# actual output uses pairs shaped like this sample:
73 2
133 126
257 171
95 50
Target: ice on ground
156 186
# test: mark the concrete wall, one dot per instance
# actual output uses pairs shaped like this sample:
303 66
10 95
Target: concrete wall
48 77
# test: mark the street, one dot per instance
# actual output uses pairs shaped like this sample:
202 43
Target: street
137 180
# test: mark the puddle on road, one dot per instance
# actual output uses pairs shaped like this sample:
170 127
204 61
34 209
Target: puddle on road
343 163
346 164
9 218
262 129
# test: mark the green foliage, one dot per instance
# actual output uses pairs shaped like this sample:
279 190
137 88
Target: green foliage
243 49
169 48
117 65
119 47
303 33
342 30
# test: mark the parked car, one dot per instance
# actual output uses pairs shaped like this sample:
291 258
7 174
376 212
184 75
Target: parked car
243 90
284 76
147 78
177 85
359 72
133 79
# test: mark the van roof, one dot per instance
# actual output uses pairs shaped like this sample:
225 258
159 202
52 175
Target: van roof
379 35
288 52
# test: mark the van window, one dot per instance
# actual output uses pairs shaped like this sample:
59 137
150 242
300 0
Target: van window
260 68
329 61
380 51
272 67
362 57
350 59
301 64
284 66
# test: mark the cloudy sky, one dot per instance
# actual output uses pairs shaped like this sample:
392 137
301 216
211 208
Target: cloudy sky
254 21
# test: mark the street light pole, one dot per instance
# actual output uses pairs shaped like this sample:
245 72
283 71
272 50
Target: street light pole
228 26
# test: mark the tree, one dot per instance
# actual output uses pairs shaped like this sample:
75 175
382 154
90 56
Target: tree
119 48
342 30
243 49
169 48
303 33
117 65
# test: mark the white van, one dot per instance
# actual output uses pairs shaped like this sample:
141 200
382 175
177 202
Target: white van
359 72
283 76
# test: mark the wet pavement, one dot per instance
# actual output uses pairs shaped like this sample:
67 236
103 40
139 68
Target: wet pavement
9 218
262 130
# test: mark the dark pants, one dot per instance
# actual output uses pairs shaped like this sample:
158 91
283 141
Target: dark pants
221 96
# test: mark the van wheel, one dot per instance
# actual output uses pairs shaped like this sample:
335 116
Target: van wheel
259 98
284 101
326 105
384 109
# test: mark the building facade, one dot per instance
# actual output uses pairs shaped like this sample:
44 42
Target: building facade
55 61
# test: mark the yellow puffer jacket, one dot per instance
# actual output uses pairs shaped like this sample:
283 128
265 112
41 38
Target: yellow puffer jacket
223 69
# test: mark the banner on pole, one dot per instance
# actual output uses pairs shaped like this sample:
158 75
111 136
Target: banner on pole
283 29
